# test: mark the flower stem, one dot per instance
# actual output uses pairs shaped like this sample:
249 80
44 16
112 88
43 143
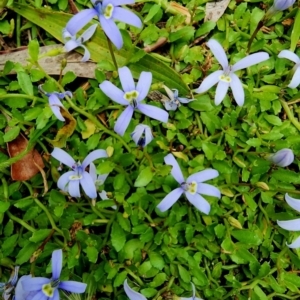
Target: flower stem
289 114
259 26
21 222
112 53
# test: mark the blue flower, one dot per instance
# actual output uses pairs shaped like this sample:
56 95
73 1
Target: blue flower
292 225
72 43
282 4
107 11
54 102
20 293
46 289
142 135
295 58
69 182
192 187
282 158
227 77
131 96
132 295
174 101
6 288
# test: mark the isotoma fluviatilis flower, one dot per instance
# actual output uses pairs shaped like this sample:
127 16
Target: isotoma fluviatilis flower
295 58
6 288
292 225
282 4
70 181
174 101
54 101
282 158
227 78
71 42
131 96
107 11
132 294
45 288
142 135
193 187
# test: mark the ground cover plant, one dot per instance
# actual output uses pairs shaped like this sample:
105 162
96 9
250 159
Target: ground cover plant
162 162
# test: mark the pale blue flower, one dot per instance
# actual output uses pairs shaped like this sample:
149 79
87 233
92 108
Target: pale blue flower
6 288
107 11
131 96
295 58
70 181
71 42
292 225
283 4
47 289
20 293
174 100
132 295
192 187
227 77
282 158
142 135
54 101
194 294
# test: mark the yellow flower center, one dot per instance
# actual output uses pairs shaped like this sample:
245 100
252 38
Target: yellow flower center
108 11
131 96
75 177
192 187
48 290
225 78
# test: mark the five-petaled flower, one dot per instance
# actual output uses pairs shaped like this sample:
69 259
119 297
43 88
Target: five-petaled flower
71 42
131 96
45 288
295 58
107 11
174 100
54 101
69 182
227 78
282 158
292 225
192 187
142 135
6 288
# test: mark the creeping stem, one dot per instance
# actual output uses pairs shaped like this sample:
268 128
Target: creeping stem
290 114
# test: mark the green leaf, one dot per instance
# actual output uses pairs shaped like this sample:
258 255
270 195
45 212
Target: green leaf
68 78
273 120
184 274
205 28
4 206
259 292
25 253
158 280
264 270
295 32
120 278
152 12
33 50
92 254
11 134
40 235
25 83
286 176
54 22
156 260
118 238
247 237
144 177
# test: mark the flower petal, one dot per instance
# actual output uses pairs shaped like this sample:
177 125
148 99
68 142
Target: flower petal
93 156
292 225
20 294
250 60
218 52
203 175
295 243
88 185
184 100
170 92
148 135
292 202
63 157
56 263
119 2
114 93
63 180
55 295
54 100
199 202
126 79
237 89
80 20
86 55
71 45
73 188
209 81
132 295
56 111
153 112
289 55
137 133
73 286
38 296
176 171
282 158
126 16
112 31
93 172
143 85
34 284
221 91
88 33
170 199
208 189
296 79
124 120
